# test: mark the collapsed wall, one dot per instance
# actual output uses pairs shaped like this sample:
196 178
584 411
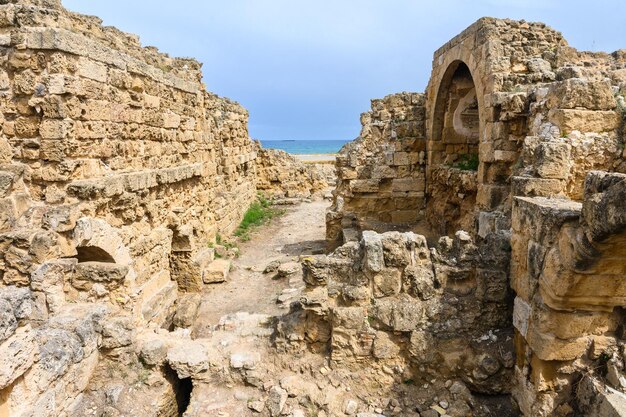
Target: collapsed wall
280 174
514 120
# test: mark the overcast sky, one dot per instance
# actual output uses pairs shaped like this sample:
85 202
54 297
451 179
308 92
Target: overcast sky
306 69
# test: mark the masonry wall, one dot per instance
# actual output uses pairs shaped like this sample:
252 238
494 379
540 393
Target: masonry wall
542 173
381 175
280 174
438 312
117 169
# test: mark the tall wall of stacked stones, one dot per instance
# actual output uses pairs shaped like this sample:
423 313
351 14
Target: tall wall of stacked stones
117 169
381 175
524 142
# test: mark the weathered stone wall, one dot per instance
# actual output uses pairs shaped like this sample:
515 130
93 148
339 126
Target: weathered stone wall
568 274
280 174
443 312
117 169
381 177
547 116
504 98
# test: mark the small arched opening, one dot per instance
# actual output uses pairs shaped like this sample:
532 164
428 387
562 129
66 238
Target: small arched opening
453 152
93 254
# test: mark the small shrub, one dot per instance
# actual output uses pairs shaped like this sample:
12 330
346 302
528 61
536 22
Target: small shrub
259 212
468 162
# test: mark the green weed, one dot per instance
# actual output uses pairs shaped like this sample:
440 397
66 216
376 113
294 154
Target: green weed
468 162
259 212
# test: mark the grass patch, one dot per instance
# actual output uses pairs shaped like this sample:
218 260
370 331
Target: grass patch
468 162
259 212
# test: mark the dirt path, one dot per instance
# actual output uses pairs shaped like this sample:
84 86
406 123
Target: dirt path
300 231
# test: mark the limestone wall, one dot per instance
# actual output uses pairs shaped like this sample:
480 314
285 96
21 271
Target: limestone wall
438 312
496 108
280 174
117 169
514 122
568 274
381 178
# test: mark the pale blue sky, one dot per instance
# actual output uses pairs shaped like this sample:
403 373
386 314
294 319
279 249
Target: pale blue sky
306 69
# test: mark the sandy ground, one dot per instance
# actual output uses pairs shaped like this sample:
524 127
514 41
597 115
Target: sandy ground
316 158
300 231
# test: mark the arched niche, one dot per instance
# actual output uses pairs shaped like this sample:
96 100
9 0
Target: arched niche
97 241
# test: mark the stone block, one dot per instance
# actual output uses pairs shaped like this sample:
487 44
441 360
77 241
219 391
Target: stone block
400 313
61 218
585 120
490 197
93 70
419 281
521 315
401 158
384 347
17 355
581 93
553 160
187 310
364 186
406 184
153 352
387 282
189 360
373 251
6 183
217 271
537 187
118 332
54 129
110 275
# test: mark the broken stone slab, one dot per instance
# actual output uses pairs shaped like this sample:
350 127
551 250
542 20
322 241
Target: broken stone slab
189 360
17 355
245 360
109 274
216 272
276 400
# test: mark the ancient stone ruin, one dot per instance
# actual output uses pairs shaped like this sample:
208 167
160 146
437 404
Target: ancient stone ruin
512 167
475 239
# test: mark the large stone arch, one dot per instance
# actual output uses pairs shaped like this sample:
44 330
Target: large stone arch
482 194
441 78
453 149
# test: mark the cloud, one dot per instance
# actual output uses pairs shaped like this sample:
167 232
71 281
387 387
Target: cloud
306 69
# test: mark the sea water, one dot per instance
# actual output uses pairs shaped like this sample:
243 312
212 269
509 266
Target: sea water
300 147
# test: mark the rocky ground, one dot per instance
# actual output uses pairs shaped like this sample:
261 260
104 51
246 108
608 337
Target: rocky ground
238 349
251 373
